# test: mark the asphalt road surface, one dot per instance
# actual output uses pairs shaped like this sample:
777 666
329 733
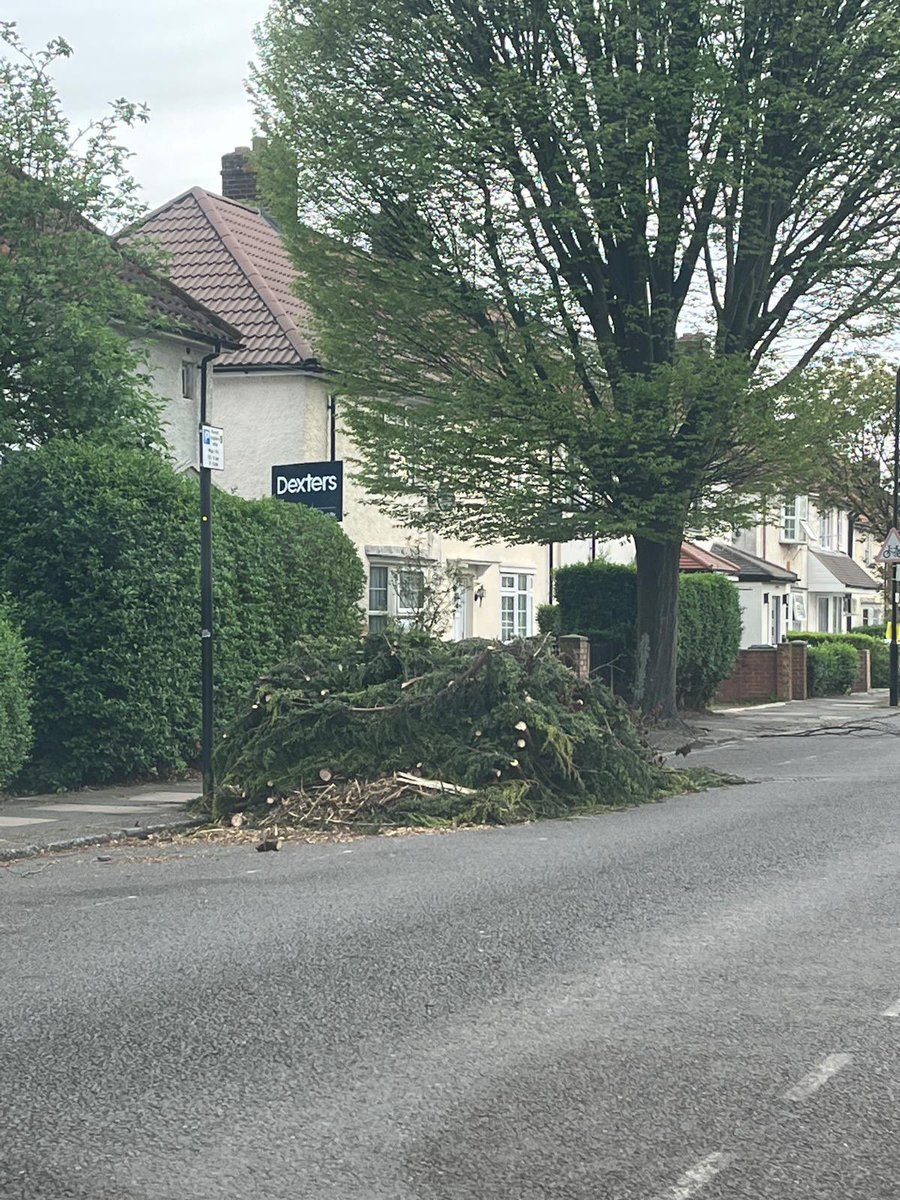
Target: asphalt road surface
699 998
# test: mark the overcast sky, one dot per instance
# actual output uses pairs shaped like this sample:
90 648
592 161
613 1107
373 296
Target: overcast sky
187 59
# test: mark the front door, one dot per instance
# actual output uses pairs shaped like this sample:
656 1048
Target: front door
462 615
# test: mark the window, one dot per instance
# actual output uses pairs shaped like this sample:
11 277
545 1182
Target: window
516 605
793 515
826 529
396 594
188 380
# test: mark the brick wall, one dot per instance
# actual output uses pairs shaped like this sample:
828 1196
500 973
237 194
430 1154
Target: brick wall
755 677
238 177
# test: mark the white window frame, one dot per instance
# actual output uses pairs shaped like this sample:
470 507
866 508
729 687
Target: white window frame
794 514
394 610
827 529
516 604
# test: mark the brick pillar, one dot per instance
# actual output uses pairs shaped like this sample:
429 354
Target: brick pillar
784 672
575 652
863 680
798 656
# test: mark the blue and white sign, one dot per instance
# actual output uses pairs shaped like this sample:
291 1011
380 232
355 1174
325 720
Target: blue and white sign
318 484
212 448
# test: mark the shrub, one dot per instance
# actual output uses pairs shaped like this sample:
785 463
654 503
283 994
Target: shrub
281 572
875 631
15 700
831 668
599 600
101 563
709 636
548 618
879 650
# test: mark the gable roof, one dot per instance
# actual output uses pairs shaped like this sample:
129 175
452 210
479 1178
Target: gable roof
750 568
230 257
845 570
178 312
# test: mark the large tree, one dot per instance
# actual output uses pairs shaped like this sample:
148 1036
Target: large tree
570 238
68 299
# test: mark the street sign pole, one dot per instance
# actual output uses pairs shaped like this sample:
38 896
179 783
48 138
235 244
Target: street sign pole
206 595
893 678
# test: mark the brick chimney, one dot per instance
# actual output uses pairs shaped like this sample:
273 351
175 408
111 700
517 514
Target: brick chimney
239 174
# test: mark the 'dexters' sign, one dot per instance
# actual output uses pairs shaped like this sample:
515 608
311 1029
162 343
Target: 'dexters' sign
318 484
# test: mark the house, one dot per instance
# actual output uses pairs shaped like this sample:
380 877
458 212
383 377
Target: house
830 557
277 406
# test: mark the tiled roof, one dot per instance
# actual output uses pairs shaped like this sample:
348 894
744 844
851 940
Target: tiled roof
231 258
694 559
845 570
177 311
750 568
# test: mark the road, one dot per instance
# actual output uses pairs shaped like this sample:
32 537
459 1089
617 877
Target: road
699 998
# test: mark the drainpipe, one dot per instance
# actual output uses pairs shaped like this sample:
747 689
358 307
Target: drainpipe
332 426
206 593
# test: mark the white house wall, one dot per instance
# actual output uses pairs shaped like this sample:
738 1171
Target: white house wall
180 416
274 418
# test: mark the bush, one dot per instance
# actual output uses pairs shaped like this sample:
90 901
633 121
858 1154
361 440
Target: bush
831 668
102 566
15 700
876 631
709 636
548 618
509 722
599 600
879 650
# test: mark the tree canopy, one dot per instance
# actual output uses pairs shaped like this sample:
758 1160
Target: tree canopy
582 233
65 300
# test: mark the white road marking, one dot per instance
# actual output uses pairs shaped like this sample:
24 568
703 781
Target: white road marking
893 1011
697 1177
810 1083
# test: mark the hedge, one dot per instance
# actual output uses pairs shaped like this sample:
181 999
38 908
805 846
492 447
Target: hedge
875 631
709 636
599 600
101 565
15 700
879 650
831 668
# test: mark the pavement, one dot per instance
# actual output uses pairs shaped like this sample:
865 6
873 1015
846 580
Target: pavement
695 1000
35 824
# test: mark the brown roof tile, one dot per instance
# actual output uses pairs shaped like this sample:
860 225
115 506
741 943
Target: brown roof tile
231 258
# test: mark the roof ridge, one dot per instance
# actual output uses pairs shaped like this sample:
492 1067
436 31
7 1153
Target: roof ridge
284 320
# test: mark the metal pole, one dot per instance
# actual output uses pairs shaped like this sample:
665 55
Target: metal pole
206 600
894 689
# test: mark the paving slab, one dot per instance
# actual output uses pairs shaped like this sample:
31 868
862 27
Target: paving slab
30 824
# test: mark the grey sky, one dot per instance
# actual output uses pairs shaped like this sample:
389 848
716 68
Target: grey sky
187 59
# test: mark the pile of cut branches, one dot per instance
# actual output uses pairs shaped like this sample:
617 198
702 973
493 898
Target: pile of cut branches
402 729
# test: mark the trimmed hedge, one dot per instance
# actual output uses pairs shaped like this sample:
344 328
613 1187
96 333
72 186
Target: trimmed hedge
879 632
599 600
15 700
831 668
709 636
101 562
879 650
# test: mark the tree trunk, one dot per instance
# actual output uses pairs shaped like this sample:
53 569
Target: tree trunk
657 625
